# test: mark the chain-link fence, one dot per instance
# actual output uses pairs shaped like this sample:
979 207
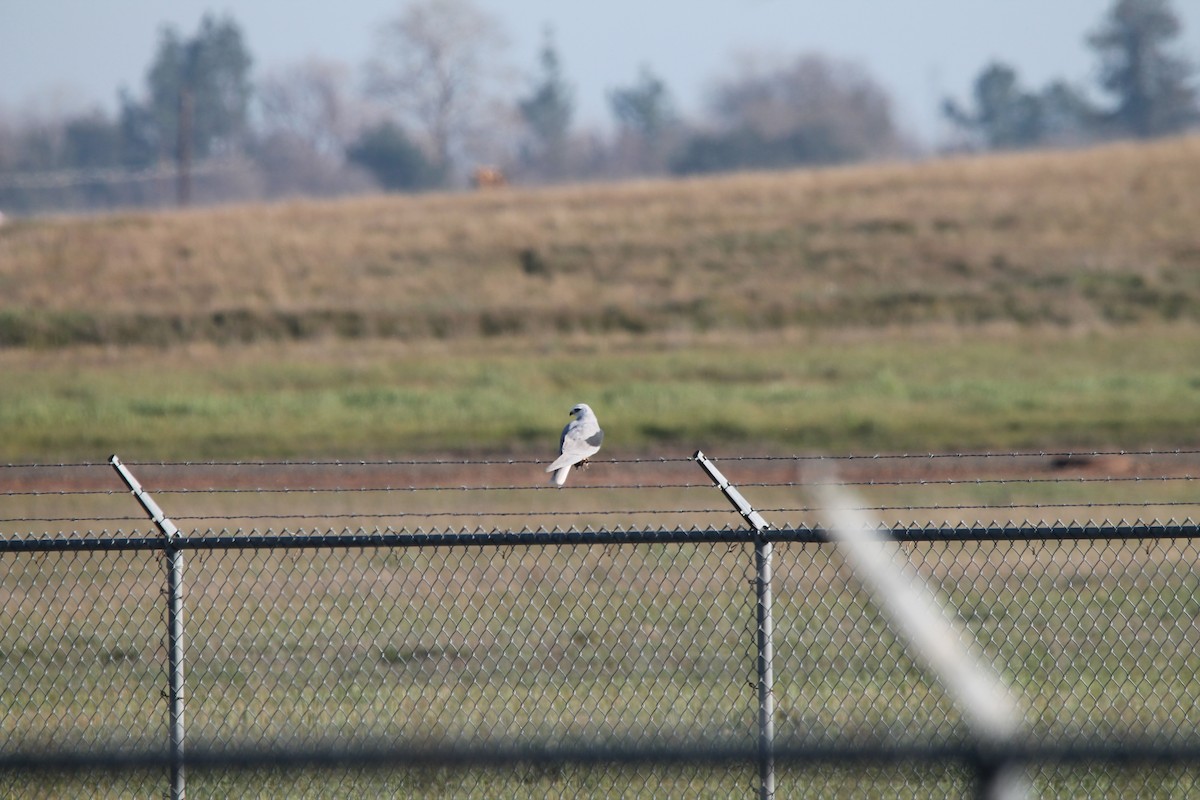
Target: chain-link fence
605 662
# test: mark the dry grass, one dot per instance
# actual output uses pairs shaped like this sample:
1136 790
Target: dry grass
1032 300
1073 237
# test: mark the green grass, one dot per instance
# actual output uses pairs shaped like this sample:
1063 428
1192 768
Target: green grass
913 391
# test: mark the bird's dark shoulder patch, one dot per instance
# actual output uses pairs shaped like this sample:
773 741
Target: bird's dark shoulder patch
596 438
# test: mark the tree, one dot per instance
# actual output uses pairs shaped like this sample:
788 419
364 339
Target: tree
647 122
140 147
812 110
437 62
308 118
1151 85
202 83
646 107
91 141
394 160
547 112
1005 116
1067 116
310 103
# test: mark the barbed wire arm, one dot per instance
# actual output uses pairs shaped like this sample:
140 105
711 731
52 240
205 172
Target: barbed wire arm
730 491
147 502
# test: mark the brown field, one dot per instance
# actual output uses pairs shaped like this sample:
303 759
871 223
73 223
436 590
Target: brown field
1097 236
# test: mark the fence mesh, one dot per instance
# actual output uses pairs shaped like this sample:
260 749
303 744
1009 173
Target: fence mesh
593 640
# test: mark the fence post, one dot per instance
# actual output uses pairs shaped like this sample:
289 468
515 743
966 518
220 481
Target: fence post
174 565
766 627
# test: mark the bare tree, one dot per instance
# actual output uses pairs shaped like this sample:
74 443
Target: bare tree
811 92
311 102
308 117
807 110
439 63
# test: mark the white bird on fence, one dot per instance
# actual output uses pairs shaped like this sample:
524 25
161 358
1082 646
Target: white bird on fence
580 440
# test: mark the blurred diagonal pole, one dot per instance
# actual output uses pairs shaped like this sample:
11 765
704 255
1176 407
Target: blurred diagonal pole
766 634
174 559
989 708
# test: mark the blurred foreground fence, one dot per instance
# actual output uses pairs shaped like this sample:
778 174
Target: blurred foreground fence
594 661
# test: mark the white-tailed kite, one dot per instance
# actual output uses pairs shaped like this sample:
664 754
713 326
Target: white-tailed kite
580 440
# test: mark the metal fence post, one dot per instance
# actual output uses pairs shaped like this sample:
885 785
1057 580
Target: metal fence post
174 568
766 625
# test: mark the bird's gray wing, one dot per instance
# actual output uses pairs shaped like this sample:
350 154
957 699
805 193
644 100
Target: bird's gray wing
576 444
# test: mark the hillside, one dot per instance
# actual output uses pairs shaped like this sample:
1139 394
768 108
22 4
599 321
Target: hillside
1044 300
1108 235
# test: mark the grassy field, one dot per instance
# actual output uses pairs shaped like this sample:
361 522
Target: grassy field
1007 301
1035 301
907 391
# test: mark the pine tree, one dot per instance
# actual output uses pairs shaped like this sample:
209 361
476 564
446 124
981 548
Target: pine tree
1152 86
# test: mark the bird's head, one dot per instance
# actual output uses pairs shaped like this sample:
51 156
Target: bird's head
581 410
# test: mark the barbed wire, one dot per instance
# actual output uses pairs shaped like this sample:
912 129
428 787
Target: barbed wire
416 462
626 512
227 486
899 482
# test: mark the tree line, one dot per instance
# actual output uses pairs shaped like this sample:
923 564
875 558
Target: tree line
436 98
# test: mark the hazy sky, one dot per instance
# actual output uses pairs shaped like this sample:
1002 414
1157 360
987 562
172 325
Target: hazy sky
75 54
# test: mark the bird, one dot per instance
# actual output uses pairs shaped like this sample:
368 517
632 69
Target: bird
580 440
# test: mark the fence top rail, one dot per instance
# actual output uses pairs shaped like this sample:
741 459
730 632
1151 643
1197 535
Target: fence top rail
387 538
